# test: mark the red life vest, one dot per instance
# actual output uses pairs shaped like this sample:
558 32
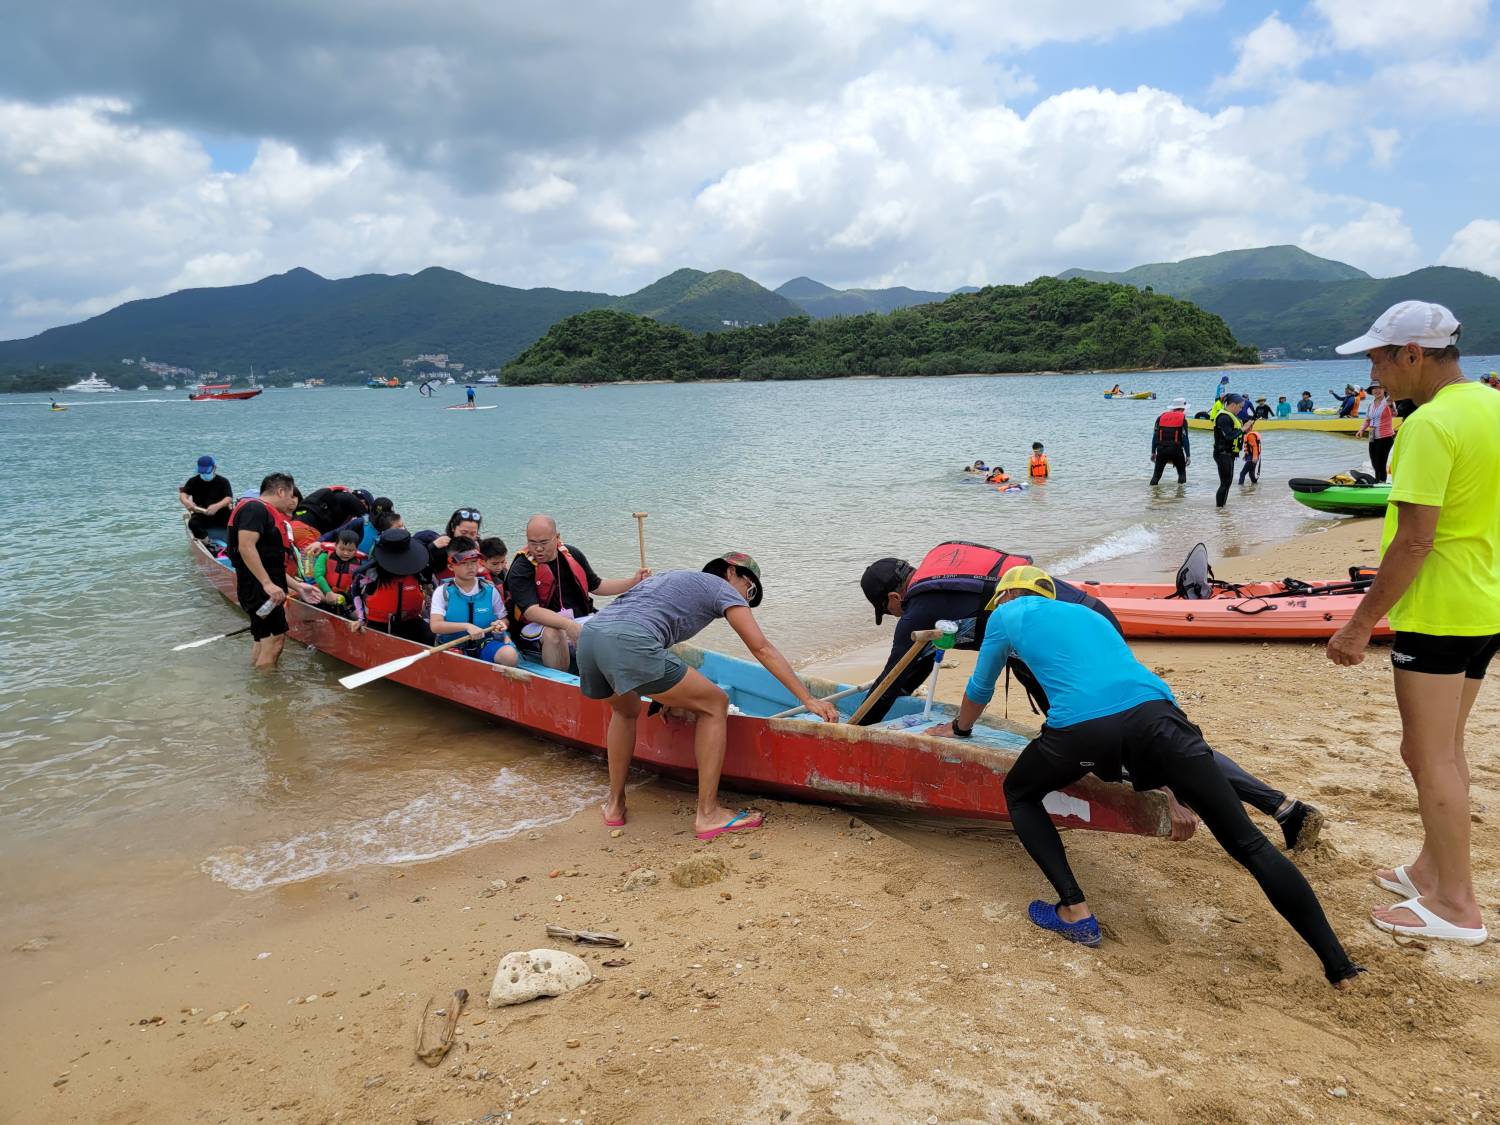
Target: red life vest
336 572
393 599
545 581
1039 466
1170 428
965 567
282 525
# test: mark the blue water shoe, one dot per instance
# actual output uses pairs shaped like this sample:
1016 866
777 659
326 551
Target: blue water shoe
1044 914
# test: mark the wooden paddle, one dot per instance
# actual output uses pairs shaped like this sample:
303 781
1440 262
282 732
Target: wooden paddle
209 640
640 532
919 641
801 707
390 667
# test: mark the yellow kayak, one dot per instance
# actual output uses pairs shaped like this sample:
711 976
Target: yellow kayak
1316 422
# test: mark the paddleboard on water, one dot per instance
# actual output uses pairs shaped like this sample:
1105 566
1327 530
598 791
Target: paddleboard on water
470 408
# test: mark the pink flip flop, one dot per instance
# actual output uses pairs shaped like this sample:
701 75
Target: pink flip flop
611 823
737 823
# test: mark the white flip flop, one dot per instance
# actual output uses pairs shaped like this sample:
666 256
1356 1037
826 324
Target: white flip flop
1439 929
1401 885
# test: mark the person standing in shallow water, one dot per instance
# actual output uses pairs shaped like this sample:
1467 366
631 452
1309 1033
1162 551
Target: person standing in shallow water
1169 442
1228 440
260 548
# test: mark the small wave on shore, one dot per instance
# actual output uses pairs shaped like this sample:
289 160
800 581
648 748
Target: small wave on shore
1128 541
454 816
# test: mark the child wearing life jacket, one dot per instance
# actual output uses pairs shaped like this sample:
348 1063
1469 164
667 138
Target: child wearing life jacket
388 596
334 566
998 476
467 603
1251 466
496 559
1038 468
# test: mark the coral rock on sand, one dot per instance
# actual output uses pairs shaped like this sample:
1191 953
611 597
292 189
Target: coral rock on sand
699 871
638 880
525 975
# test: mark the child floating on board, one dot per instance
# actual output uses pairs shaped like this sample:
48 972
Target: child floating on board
1038 468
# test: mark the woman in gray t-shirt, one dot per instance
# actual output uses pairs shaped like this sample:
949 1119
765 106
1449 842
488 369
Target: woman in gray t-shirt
624 653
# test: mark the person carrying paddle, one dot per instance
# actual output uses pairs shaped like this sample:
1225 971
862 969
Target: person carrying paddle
1110 716
624 652
1439 585
260 549
1169 442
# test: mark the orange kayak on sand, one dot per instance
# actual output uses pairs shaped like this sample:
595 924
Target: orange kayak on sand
1249 611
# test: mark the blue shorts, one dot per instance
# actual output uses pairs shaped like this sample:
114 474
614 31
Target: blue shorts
489 649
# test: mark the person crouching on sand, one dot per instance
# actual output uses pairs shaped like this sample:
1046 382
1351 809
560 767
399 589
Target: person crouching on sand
1110 715
624 652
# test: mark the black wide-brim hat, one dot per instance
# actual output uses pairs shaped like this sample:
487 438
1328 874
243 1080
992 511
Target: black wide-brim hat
396 552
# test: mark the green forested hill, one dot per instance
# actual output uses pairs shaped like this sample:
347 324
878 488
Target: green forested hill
1266 263
1048 324
704 301
819 300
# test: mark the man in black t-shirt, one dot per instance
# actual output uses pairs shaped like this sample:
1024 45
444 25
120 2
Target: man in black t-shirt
259 544
208 497
547 589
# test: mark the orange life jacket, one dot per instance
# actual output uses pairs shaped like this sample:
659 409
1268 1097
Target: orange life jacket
964 567
304 535
393 599
1252 445
997 477
283 525
1039 467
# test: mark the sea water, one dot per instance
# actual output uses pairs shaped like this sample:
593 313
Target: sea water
123 764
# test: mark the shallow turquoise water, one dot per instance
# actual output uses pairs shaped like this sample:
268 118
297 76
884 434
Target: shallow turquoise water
114 751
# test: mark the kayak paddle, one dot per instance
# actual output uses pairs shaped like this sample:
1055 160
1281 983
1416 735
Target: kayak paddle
390 667
210 640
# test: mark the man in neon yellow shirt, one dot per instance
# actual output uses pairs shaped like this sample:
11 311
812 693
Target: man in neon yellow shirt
1439 581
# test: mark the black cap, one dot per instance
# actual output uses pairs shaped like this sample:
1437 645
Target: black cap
882 577
396 552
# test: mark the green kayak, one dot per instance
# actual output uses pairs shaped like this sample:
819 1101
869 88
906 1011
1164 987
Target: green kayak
1346 499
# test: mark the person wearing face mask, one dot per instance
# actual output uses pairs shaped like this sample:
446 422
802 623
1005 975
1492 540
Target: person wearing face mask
207 498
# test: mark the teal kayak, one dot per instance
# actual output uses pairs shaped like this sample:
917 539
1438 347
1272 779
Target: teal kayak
1345 499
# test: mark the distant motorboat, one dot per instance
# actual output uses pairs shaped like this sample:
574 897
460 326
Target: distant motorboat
169 387
299 386
488 381
143 387
449 381
91 386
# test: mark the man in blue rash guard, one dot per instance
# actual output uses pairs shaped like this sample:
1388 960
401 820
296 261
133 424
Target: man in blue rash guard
1110 716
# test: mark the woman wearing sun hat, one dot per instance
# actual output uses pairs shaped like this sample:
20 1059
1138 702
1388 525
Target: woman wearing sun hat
624 652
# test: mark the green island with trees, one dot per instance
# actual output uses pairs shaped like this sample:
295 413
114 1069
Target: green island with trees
1045 325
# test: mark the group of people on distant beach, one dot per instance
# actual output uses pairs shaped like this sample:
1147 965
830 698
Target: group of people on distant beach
1104 712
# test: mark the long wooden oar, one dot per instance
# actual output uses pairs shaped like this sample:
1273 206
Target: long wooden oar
381 671
919 641
801 707
209 640
640 533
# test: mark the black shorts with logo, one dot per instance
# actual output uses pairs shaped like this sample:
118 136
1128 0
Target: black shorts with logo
1444 656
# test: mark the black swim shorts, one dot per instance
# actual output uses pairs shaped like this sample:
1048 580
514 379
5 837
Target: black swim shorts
1444 656
272 624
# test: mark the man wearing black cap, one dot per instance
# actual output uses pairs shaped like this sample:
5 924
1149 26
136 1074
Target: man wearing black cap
1228 440
207 497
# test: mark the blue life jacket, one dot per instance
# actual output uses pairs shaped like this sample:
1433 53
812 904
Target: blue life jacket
476 608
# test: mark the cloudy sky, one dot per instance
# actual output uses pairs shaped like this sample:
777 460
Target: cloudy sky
598 145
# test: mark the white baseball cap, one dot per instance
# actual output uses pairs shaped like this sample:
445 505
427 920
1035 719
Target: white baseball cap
1411 322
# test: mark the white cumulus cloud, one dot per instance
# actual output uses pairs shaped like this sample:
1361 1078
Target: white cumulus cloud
1475 247
1272 51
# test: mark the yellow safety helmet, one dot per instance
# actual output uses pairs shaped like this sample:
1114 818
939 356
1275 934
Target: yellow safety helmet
1032 578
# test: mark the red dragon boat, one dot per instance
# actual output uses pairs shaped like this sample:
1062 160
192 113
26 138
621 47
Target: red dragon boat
890 765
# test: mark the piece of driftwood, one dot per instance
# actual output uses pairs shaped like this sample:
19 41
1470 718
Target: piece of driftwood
588 936
430 1050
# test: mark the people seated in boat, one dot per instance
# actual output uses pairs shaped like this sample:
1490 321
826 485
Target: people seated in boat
1306 405
997 476
464 523
624 652
207 497
465 602
1038 468
260 550
333 567
387 595
1283 408
495 558
365 526
1262 409
1111 716
332 506
548 587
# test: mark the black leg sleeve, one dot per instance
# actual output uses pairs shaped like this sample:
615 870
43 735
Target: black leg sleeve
1249 788
1035 774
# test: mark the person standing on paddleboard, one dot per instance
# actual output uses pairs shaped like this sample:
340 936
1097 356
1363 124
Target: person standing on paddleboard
1111 716
624 652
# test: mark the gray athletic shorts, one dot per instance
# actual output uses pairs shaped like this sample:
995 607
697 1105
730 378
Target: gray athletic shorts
615 657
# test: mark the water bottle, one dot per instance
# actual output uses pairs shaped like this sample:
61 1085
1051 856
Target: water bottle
266 608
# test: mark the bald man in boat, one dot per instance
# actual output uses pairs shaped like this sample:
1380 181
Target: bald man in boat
956 582
1113 718
548 590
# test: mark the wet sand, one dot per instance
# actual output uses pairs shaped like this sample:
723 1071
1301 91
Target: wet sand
845 970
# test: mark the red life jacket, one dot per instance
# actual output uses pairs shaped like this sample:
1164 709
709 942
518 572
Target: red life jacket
282 525
545 581
1170 428
336 572
393 599
965 567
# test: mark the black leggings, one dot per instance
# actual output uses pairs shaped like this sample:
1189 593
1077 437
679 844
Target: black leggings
1225 461
1173 457
1380 453
1160 747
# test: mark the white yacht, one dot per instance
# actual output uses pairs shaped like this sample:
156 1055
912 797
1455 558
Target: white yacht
92 385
